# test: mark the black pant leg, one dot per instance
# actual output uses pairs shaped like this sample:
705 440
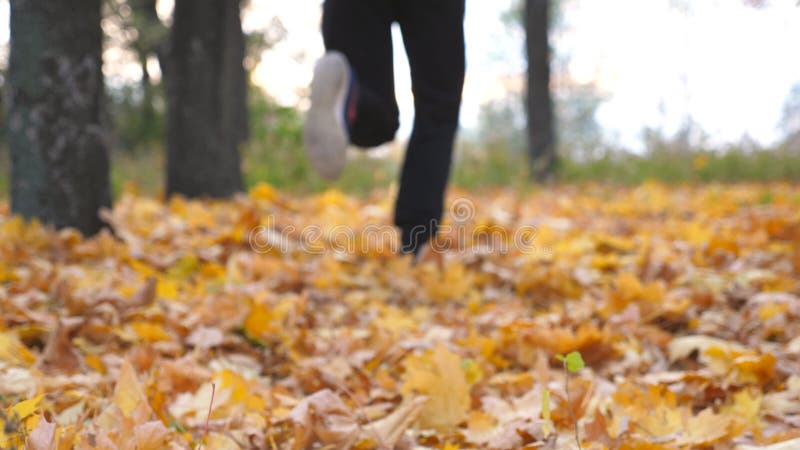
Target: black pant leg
361 30
433 34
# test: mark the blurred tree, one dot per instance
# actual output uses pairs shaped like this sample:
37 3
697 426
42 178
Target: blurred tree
689 137
502 122
59 156
3 120
207 99
541 135
258 41
577 133
580 136
133 29
790 119
561 113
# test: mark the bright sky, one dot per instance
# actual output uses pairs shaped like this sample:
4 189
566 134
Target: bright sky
727 65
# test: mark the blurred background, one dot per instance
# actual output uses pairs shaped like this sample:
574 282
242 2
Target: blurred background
666 89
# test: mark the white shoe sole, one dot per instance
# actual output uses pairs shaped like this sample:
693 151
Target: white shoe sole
325 133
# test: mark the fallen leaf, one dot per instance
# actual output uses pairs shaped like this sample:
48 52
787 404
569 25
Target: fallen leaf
682 298
682 347
218 441
388 431
43 436
13 352
438 374
205 337
26 408
791 444
128 394
705 429
323 417
59 354
152 436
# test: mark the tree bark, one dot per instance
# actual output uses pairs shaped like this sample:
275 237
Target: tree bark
59 147
541 134
206 95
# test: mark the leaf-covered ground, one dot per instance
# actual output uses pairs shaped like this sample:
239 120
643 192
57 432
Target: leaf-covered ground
683 302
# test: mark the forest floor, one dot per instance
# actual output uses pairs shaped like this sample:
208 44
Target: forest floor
275 321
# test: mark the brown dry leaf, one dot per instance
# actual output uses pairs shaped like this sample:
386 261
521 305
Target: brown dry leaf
792 444
386 433
144 296
43 436
192 408
59 354
206 337
323 417
150 436
684 346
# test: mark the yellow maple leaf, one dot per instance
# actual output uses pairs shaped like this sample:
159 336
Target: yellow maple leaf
95 363
267 318
6 273
479 420
241 391
128 394
184 267
142 268
605 261
149 331
453 282
167 289
705 429
438 374
263 191
654 411
332 197
772 309
14 352
395 320
212 271
744 410
19 420
218 441
258 323
26 408
630 289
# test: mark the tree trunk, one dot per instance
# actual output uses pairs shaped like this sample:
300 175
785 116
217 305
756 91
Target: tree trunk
206 95
59 150
541 135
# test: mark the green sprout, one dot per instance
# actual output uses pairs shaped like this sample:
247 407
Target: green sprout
573 363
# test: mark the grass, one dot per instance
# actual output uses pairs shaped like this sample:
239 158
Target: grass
702 166
280 161
362 174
